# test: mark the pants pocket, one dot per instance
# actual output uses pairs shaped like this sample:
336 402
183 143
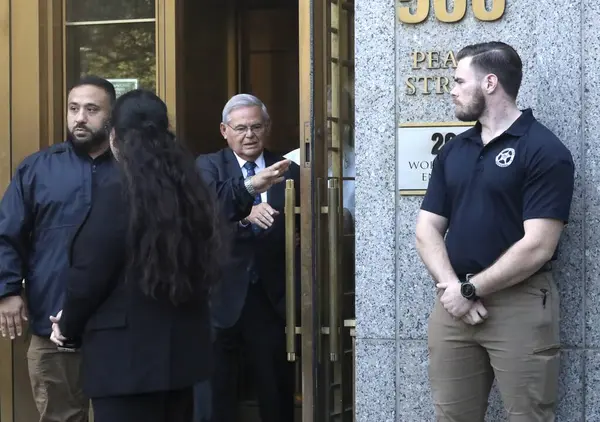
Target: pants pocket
37 377
544 388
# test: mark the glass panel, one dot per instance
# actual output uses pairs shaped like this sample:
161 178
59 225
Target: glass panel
97 10
124 53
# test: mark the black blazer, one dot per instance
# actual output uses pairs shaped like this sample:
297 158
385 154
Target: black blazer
131 343
264 251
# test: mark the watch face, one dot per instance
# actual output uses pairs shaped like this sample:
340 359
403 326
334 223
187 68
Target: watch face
467 290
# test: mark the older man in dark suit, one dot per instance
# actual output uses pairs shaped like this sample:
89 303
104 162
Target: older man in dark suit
248 306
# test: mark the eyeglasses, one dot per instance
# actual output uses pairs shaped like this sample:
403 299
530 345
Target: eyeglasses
241 129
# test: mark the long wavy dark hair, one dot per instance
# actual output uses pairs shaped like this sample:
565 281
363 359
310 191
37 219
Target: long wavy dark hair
173 229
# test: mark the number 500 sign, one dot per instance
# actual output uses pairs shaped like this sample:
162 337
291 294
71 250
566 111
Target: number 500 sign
442 14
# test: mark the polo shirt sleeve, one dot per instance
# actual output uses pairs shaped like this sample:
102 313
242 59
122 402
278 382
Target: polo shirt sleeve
436 197
549 181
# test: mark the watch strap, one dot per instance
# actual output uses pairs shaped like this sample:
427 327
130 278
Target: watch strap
249 187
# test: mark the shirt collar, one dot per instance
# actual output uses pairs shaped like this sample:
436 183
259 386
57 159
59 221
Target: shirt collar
522 124
518 128
260 161
107 154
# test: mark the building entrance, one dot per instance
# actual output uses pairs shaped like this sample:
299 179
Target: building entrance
296 56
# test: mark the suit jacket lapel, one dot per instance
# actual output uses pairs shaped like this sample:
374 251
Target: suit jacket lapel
232 166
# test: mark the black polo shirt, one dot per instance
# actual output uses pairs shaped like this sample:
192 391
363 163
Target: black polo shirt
486 192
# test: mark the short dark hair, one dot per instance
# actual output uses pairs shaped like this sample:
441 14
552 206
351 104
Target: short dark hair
498 58
100 83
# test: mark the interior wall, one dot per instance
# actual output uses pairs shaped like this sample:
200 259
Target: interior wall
271 70
237 46
205 83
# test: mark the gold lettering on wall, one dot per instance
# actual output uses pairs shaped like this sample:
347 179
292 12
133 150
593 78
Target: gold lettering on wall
421 12
431 84
427 85
433 60
442 14
440 7
481 13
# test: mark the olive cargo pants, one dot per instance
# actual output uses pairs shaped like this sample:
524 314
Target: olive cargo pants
55 382
518 345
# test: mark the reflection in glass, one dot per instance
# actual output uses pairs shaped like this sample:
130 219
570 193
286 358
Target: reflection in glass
97 10
120 51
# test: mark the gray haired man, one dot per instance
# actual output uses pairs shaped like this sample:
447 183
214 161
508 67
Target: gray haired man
248 305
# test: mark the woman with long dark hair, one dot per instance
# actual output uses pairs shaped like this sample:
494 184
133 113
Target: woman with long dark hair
142 267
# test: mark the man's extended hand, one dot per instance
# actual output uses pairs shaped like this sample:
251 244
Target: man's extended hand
12 314
453 300
262 181
56 337
476 315
262 215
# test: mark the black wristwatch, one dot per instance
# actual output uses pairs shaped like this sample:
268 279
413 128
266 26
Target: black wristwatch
467 290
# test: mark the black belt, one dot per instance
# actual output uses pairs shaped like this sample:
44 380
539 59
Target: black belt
544 268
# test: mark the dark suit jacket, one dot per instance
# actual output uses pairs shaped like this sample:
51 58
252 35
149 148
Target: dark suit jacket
264 252
130 343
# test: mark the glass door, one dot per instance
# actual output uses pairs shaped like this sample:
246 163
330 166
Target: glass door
323 329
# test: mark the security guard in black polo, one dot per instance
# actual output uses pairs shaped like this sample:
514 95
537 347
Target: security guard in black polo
498 199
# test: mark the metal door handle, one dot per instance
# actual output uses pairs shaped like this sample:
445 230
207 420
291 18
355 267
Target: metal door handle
334 295
290 269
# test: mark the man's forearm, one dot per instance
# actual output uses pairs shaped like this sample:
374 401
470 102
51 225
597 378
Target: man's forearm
433 253
518 263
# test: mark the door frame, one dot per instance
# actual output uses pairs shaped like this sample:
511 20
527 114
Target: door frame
35 29
30 32
325 335
169 15
309 208
313 176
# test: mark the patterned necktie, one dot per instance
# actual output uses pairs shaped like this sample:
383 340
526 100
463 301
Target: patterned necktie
250 166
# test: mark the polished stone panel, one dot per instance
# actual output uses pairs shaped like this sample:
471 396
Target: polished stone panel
376 175
375 380
591 168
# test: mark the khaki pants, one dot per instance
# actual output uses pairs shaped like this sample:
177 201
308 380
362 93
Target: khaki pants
55 382
518 345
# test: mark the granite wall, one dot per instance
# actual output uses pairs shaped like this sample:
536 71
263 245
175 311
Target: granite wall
560 46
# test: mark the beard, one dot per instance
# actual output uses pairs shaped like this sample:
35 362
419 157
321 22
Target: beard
90 139
472 111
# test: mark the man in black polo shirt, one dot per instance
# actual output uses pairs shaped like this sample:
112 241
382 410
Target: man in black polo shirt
497 202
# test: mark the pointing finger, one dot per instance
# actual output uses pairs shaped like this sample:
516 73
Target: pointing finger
282 164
